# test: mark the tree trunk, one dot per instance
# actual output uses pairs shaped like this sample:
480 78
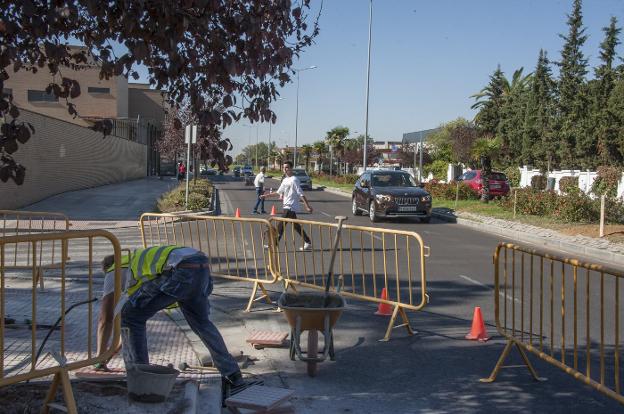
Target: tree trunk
486 171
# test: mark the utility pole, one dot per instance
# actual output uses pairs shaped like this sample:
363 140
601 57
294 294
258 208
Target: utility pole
190 136
370 30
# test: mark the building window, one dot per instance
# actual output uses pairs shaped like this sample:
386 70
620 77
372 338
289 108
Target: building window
6 92
41 96
92 89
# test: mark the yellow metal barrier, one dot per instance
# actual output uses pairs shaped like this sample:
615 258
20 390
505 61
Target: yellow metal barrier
369 261
65 355
565 311
16 223
236 246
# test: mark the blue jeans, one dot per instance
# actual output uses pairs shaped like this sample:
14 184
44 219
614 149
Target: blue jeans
190 288
260 201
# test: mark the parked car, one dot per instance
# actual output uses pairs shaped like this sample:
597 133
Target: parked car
499 185
247 170
304 179
388 194
208 171
237 171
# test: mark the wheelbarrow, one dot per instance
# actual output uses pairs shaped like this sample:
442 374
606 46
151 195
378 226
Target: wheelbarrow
314 312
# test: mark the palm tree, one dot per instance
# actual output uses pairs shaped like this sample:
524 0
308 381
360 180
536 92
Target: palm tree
335 138
484 150
306 150
321 149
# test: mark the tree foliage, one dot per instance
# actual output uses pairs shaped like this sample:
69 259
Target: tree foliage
226 59
568 122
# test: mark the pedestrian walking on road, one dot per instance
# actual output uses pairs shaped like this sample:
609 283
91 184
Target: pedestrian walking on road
259 184
181 171
159 277
291 192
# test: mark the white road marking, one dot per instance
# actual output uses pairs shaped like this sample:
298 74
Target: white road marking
325 214
476 282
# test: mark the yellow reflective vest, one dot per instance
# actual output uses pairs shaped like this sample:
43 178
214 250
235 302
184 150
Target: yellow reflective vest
145 264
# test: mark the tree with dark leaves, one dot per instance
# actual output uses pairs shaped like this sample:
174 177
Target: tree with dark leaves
211 54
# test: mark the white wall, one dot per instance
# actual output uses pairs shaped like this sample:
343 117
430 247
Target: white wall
586 178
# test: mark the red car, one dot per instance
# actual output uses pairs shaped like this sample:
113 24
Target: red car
499 186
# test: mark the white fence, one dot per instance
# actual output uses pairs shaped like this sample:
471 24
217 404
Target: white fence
585 182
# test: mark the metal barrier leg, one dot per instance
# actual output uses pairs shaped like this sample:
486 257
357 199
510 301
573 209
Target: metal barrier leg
397 310
61 377
252 298
504 356
40 278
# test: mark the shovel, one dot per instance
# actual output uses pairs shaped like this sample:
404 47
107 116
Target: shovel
330 271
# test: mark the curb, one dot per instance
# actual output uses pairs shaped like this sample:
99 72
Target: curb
615 259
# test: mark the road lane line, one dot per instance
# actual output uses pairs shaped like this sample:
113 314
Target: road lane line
325 214
476 282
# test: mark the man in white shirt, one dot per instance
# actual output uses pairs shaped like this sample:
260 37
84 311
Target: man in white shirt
259 184
291 192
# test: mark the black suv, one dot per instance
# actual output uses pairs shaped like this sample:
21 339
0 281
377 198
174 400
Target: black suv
383 193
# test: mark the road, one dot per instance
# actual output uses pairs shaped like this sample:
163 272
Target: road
460 276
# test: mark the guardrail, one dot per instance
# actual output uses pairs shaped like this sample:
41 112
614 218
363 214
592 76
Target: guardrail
16 223
369 262
235 246
15 346
545 300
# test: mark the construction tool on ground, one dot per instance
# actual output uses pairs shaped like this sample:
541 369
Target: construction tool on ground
314 312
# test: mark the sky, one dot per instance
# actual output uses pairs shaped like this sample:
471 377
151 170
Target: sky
427 59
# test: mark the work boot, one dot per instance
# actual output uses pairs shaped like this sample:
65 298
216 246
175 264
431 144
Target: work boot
233 384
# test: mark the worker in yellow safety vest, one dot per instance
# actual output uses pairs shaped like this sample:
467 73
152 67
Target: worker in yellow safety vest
154 279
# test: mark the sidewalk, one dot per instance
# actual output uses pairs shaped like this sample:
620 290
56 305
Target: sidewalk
599 250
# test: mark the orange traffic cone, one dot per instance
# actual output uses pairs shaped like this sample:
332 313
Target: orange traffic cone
237 214
384 309
478 331
273 212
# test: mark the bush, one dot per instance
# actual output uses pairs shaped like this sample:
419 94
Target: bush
513 175
538 182
607 181
569 185
531 202
576 208
200 192
438 168
614 210
448 191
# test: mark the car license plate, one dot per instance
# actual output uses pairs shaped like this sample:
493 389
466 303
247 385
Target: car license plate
408 208
495 186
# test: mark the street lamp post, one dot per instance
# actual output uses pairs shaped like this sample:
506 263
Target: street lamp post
297 114
269 146
370 27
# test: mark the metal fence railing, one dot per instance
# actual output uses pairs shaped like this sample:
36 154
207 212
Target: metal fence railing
564 311
236 246
372 264
22 350
17 223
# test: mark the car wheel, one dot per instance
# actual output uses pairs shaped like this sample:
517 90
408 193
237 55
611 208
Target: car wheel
371 212
354 208
425 219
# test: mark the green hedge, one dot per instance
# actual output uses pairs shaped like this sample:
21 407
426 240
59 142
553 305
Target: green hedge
448 191
569 185
199 197
574 207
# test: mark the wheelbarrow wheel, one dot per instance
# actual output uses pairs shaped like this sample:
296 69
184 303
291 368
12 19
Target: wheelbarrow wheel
312 351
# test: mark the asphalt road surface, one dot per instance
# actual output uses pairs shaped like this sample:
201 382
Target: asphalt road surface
460 276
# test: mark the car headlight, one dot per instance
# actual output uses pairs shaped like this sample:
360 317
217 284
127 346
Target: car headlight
425 199
383 197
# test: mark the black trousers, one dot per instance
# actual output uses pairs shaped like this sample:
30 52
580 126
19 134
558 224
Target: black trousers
280 226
